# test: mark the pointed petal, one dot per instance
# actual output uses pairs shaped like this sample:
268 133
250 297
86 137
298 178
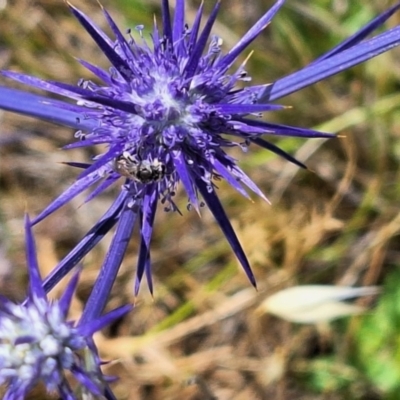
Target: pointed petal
242 177
222 170
217 210
192 64
185 177
149 277
285 130
71 91
194 31
40 107
143 258
148 214
86 381
104 43
247 108
113 152
35 280
361 34
123 43
259 26
91 141
101 322
178 26
143 266
101 188
66 298
72 191
108 273
275 149
92 237
77 164
333 65
81 93
100 73
166 19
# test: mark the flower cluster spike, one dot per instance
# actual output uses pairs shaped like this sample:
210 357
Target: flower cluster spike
167 113
38 343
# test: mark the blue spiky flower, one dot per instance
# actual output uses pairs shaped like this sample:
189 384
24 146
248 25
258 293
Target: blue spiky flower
38 344
166 112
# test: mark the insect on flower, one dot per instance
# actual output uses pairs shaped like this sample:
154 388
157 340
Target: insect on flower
143 171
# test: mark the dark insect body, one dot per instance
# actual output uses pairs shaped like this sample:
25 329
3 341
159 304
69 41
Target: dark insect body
143 171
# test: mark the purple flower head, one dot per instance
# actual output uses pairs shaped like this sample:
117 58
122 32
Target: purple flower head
167 113
37 343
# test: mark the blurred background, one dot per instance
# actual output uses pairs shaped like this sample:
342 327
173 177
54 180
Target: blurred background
205 334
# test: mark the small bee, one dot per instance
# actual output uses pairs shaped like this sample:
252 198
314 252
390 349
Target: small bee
143 171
